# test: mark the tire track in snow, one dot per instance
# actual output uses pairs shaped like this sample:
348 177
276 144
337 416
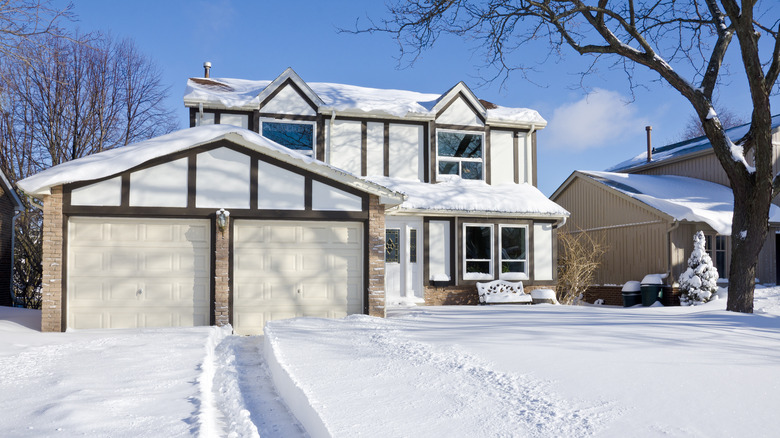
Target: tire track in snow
503 404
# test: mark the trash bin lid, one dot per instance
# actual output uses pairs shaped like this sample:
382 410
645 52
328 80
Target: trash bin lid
631 286
653 279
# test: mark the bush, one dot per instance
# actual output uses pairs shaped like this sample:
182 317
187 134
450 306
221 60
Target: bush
580 257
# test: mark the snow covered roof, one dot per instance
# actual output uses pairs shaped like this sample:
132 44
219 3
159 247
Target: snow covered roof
118 160
683 148
248 94
682 198
472 197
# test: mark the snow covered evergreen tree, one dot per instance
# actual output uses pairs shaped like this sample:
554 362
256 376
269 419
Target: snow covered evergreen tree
700 281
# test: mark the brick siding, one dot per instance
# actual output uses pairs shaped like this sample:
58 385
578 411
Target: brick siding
222 274
376 257
451 295
51 301
613 295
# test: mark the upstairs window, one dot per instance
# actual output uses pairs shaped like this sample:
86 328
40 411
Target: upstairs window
298 136
460 153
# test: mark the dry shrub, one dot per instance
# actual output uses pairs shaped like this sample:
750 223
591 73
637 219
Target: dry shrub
580 256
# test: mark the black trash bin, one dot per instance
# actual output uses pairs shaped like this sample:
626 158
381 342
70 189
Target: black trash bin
632 294
652 289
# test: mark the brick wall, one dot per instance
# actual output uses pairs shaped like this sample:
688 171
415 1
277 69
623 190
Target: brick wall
51 302
6 259
451 295
376 257
222 274
613 295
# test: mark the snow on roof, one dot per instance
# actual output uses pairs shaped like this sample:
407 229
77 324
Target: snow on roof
464 196
682 198
241 93
118 160
684 148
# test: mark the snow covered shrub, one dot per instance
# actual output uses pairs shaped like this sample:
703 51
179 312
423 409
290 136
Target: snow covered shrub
699 283
579 257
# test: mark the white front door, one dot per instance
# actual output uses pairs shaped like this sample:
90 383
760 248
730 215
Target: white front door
403 260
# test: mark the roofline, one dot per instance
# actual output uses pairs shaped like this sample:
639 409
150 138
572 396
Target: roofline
476 213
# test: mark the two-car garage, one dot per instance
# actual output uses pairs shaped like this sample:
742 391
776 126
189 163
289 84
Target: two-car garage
133 272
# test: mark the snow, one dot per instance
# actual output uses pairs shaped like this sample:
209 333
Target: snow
459 195
240 93
738 154
711 114
479 371
118 160
680 197
632 286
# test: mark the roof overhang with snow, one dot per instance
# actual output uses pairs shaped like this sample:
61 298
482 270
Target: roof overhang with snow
677 197
115 161
349 100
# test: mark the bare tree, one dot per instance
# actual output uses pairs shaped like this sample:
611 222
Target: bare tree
61 100
580 257
684 42
693 127
24 20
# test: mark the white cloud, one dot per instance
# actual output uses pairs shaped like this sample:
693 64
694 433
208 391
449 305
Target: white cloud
597 120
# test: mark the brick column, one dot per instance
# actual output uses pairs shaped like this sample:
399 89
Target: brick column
222 274
376 258
51 261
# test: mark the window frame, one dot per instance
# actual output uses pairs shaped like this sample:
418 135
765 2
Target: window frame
460 160
491 270
313 152
513 276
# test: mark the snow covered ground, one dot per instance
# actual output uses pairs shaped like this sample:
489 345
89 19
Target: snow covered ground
507 370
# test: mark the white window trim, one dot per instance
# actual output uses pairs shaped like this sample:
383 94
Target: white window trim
313 152
474 275
513 276
459 160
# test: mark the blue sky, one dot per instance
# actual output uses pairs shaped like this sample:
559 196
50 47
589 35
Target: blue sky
589 128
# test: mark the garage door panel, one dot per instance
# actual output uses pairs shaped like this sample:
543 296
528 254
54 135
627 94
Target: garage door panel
284 270
150 276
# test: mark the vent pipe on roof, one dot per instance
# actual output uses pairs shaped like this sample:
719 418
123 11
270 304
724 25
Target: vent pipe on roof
206 69
649 144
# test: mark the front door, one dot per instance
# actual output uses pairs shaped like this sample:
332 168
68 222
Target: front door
403 260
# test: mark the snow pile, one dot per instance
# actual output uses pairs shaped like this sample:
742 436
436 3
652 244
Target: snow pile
700 281
459 195
680 197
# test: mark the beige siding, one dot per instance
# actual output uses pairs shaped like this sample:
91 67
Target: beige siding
706 167
636 237
767 258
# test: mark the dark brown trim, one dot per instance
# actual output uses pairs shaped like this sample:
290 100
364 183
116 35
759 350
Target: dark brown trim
307 194
320 139
125 188
462 96
254 183
461 127
363 148
286 117
386 149
295 88
217 117
366 267
516 156
487 159
199 213
432 152
426 153
192 176
255 126
533 158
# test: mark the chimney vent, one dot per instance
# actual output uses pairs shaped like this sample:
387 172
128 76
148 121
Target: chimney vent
649 144
206 69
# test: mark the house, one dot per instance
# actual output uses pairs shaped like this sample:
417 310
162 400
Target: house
10 205
647 209
287 198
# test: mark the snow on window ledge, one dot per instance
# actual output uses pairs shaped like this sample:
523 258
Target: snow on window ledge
513 276
477 276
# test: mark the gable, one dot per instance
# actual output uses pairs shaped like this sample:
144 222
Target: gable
460 112
287 99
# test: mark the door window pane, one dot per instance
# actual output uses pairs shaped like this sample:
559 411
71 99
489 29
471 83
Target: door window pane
392 242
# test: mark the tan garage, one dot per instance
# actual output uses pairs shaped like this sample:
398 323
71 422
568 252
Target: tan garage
285 269
137 272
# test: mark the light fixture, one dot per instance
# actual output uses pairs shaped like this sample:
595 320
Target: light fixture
222 216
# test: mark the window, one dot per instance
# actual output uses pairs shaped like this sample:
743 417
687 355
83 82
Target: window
412 246
392 242
460 153
478 252
514 259
717 253
294 135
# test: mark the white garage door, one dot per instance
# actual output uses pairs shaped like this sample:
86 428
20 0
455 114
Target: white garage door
288 269
137 273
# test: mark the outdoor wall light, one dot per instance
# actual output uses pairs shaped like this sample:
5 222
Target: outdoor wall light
222 216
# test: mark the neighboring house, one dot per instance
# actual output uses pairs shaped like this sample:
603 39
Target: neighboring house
647 209
364 199
10 204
